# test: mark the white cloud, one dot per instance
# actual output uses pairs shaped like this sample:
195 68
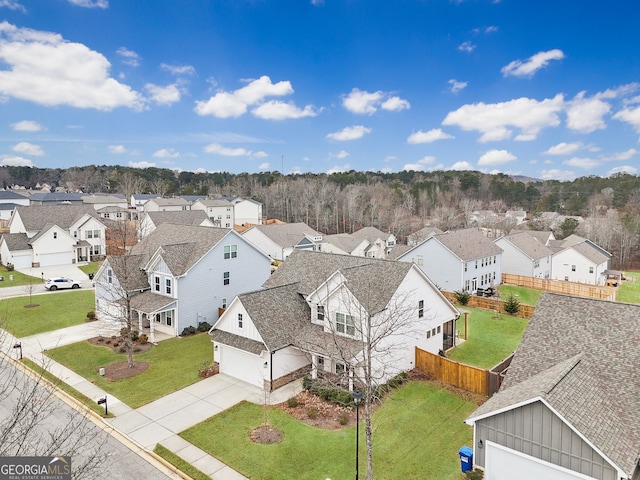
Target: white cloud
461 166
557 174
428 137
166 153
491 29
276 110
563 148
13 5
585 114
178 69
342 154
26 126
528 68
46 69
620 156
366 103
492 119
28 149
15 161
91 3
234 104
163 95
218 149
496 157
339 169
264 166
142 164
117 149
420 165
623 169
260 154
466 47
585 163
129 57
457 86
349 133
631 116
317 3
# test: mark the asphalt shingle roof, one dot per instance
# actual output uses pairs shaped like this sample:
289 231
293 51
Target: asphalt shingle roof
286 234
468 244
36 217
17 241
180 217
582 357
528 245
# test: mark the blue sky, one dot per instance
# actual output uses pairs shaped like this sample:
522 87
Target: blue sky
538 88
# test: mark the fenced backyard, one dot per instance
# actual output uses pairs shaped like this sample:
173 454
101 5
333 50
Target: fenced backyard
494 304
559 286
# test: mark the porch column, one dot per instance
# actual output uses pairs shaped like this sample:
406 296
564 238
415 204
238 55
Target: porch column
351 379
314 366
152 332
139 321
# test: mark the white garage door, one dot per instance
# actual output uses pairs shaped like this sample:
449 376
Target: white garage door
504 464
242 365
49 259
22 261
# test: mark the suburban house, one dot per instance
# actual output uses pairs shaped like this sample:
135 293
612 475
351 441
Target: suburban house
421 235
149 221
567 408
161 204
278 240
179 277
102 201
247 211
219 211
55 198
313 314
42 236
544 237
139 199
524 255
366 242
459 260
8 202
576 259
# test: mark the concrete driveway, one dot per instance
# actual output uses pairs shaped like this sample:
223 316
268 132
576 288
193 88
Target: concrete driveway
69 271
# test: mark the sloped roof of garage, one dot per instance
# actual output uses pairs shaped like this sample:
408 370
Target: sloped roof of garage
17 241
35 217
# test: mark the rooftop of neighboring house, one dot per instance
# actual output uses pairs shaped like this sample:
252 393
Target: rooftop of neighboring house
91 199
161 201
581 245
179 217
286 234
35 217
345 242
581 357
56 197
215 202
528 245
371 234
424 233
9 195
468 244
544 237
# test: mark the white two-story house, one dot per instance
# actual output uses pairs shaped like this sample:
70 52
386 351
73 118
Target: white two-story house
524 255
220 211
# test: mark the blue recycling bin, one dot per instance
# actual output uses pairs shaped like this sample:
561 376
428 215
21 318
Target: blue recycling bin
466 458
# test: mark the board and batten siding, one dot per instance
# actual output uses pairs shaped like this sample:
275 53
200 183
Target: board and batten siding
535 430
201 290
287 360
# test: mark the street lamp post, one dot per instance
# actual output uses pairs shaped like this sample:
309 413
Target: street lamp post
357 398
19 345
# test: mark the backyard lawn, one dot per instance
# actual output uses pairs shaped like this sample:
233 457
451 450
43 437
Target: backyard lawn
417 433
629 291
491 337
173 365
18 278
54 311
528 296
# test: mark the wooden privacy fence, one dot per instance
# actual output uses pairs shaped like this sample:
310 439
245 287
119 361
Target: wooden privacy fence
526 311
560 286
472 379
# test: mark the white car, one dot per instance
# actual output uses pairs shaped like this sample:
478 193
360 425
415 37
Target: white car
59 283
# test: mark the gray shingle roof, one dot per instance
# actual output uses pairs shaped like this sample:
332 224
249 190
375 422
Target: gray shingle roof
8 195
468 244
343 241
180 217
126 269
370 233
149 302
582 357
183 245
528 245
286 234
542 236
236 341
17 241
36 217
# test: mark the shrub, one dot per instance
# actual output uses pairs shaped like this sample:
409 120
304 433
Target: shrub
293 402
91 315
135 335
393 383
327 391
122 350
188 331
203 327
475 474
136 349
10 267
124 331
312 413
108 342
343 419
511 305
115 344
462 297
143 339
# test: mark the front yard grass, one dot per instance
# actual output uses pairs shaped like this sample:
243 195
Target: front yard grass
54 311
19 278
491 337
629 291
417 433
91 267
173 365
528 296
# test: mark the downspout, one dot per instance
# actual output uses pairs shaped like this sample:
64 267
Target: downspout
271 371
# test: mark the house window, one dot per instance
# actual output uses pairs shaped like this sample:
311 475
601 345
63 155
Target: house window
55 234
230 251
428 333
95 250
494 258
320 312
223 303
438 328
590 269
156 284
239 320
566 279
420 261
320 363
89 234
109 276
536 263
573 268
168 318
158 319
75 234
167 286
465 266
476 264
421 309
344 324
433 332
106 215
340 368
466 285
225 278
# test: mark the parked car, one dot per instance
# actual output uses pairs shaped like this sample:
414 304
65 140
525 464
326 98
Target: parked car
57 283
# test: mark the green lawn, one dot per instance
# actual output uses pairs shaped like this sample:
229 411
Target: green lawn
91 267
174 364
628 291
54 311
528 296
18 278
491 338
417 433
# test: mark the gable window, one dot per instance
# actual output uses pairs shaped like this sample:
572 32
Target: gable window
109 276
320 312
420 261
421 309
344 324
573 268
239 320
167 286
156 284
590 269
88 234
225 278
223 303
230 251
75 234
55 234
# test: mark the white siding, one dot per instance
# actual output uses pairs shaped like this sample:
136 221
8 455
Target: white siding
288 360
441 266
514 261
229 322
562 264
264 243
242 365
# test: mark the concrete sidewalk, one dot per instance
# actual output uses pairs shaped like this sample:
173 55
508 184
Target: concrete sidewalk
160 421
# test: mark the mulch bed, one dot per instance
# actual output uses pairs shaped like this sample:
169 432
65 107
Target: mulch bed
320 413
121 370
265 434
117 343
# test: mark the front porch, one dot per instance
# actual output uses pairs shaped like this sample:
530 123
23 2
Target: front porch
155 315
